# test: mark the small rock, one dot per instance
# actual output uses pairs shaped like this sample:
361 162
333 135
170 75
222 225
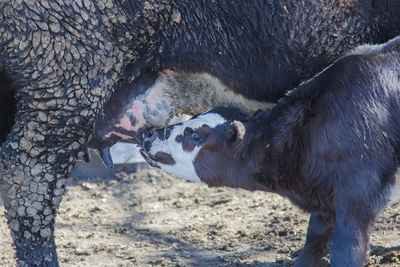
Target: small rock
45 233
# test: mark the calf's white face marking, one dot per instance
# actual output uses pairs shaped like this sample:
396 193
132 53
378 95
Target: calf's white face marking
184 159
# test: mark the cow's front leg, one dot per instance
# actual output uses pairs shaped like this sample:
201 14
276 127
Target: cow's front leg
318 235
64 67
35 161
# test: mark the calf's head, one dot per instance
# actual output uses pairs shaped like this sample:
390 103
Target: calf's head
208 148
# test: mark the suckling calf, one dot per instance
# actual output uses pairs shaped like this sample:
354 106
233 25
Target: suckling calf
331 146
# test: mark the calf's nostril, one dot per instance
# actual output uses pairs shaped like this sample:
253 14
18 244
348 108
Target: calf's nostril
150 135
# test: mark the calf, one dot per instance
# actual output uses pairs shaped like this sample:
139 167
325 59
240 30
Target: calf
331 146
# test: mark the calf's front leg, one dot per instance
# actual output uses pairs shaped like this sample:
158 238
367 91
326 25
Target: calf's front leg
318 235
356 211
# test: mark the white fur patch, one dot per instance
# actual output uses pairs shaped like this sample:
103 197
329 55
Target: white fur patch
184 160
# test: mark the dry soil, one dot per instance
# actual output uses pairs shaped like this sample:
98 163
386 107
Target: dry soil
149 218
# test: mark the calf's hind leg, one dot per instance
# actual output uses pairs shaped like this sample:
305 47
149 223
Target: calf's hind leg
318 235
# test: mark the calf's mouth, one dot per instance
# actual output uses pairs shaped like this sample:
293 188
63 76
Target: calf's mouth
148 158
159 157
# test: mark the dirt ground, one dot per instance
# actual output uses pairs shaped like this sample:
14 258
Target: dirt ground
149 218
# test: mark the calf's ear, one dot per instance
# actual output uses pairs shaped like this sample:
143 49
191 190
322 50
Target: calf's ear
233 131
235 137
238 130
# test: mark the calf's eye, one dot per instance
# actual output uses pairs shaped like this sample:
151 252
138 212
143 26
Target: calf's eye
195 137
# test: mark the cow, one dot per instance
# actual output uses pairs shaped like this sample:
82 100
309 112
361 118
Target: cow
67 63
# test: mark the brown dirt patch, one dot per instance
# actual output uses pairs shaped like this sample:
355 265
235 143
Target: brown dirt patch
152 219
